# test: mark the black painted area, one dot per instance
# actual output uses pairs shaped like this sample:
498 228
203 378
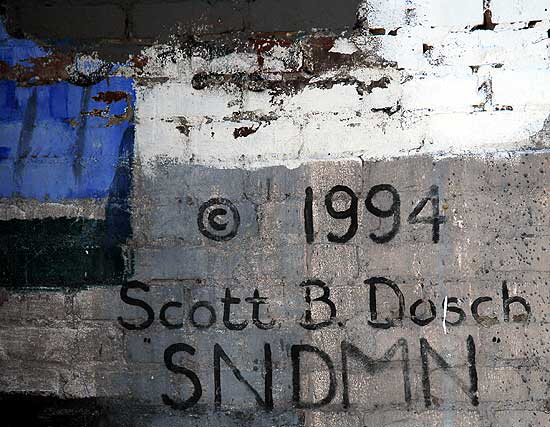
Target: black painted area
296 15
44 411
136 22
58 252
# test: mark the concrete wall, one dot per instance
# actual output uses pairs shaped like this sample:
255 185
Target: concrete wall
236 213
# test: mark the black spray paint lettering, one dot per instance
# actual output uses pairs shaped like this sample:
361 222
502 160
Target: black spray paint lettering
373 366
427 352
352 213
196 306
324 298
394 210
256 302
435 219
422 321
211 312
308 215
267 401
324 304
457 310
218 355
373 283
394 319
482 320
296 354
507 300
210 222
228 301
303 354
171 366
137 303
162 315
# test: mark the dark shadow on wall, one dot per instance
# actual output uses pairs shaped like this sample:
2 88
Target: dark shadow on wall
20 410
117 211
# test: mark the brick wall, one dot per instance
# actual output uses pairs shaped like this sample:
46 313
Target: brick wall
295 214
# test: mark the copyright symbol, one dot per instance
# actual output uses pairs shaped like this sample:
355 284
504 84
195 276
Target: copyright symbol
218 219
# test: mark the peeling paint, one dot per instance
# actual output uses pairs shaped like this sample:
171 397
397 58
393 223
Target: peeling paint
244 131
410 143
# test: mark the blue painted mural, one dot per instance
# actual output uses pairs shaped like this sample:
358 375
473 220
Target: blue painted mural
61 140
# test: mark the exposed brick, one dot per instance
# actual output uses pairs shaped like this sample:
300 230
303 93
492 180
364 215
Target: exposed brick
38 307
55 344
14 376
518 417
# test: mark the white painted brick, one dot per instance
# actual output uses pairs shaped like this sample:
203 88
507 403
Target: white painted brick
527 88
215 141
448 13
452 92
180 99
345 99
329 136
380 97
490 47
436 83
159 66
485 131
386 14
280 59
463 48
519 10
405 49
326 139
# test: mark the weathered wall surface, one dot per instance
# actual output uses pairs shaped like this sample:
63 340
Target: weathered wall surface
303 214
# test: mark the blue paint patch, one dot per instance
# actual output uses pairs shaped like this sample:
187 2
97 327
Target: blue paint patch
57 141
4 153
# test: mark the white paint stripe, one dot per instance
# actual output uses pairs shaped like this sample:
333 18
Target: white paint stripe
35 209
293 142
